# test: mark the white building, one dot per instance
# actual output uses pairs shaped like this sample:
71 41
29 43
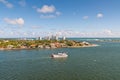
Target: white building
39 38
64 38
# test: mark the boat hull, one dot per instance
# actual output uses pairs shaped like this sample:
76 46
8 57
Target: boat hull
59 55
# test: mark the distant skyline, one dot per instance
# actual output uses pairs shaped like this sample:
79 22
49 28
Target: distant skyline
70 18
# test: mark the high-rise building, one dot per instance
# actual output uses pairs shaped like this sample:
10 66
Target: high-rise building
39 38
64 38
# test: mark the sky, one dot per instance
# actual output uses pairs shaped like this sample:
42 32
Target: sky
69 18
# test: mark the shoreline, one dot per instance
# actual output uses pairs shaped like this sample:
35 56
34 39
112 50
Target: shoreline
91 45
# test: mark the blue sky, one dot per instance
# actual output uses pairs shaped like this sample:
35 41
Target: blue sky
70 18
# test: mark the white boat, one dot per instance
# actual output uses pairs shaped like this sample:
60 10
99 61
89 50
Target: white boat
59 55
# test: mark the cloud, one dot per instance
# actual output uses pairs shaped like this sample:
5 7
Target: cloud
1 31
58 13
108 32
46 9
19 21
6 3
36 27
47 16
22 3
67 33
60 33
74 33
99 15
85 17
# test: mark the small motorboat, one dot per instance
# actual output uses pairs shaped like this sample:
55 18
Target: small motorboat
59 55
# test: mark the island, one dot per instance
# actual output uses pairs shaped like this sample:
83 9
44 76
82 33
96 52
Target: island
41 44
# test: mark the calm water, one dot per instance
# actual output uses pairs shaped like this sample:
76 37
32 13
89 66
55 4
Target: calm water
94 63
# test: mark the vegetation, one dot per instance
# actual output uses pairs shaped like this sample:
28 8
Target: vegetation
28 44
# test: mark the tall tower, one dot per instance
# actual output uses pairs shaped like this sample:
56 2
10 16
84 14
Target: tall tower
64 38
39 38
56 37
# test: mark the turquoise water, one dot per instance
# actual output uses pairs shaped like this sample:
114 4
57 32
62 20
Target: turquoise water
93 63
